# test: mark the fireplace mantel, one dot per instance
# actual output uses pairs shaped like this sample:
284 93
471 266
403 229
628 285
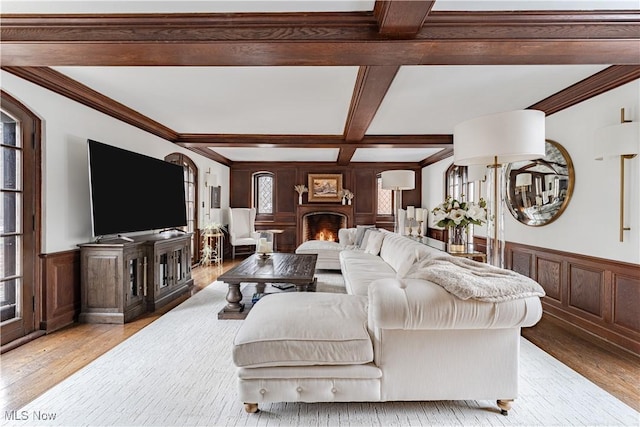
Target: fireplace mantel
302 210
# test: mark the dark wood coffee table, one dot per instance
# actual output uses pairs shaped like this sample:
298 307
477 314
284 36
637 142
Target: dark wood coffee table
297 269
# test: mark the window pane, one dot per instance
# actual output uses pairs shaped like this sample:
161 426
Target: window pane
10 260
385 200
10 168
9 218
9 298
265 194
9 131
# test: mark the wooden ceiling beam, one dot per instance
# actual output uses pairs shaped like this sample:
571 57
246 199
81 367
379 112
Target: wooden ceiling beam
345 155
210 154
607 79
440 155
401 18
370 89
325 39
312 141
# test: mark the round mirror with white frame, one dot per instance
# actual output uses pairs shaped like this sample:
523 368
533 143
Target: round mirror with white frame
538 191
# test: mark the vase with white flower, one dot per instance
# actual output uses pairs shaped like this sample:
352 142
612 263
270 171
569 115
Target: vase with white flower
301 189
456 216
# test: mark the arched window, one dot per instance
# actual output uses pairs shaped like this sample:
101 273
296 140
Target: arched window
191 198
263 185
19 219
458 186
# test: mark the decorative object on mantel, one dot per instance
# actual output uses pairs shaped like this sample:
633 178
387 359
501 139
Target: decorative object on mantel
301 189
398 180
346 196
325 187
538 191
494 141
456 216
621 140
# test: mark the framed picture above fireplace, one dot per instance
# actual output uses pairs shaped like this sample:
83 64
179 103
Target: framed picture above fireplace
325 187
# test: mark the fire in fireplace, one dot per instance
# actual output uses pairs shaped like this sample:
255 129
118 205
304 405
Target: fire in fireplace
322 226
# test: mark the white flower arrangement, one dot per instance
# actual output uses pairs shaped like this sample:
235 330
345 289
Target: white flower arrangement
212 228
454 213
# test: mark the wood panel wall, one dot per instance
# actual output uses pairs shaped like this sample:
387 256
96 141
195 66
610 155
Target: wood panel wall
60 297
596 295
361 179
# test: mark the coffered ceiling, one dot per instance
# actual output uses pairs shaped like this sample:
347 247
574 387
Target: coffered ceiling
327 81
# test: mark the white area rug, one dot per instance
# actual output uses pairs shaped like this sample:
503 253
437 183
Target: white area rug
178 372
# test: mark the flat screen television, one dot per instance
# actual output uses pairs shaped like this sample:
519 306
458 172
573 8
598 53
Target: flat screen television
133 192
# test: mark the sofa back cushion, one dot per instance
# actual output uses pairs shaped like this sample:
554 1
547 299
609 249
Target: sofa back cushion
360 230
374 242
347 236
399 250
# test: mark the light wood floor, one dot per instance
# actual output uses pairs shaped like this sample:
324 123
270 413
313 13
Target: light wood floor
33 368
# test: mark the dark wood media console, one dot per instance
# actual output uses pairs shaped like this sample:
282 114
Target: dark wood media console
121 279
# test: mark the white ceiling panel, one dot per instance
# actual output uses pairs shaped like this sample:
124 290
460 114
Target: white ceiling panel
247 100
244 154
482 5
201 6
393 154
230 6
433 99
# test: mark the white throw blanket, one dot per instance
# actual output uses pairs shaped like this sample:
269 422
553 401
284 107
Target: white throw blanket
466 279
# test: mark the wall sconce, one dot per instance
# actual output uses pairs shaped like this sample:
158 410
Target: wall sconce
621 140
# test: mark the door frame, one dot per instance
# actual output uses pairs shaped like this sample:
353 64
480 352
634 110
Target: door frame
31 135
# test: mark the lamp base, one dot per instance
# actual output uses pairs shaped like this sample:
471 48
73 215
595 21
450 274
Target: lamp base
495 219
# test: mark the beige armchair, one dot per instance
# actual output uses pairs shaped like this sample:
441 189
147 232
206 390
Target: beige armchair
242 230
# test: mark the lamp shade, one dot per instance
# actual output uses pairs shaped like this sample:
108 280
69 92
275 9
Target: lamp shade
617 140
523 179
476 173
510 137
398 180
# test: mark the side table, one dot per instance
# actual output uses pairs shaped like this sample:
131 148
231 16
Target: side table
212 249
442 246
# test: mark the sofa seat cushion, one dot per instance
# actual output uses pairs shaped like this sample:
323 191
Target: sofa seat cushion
359 269
303 329
327 252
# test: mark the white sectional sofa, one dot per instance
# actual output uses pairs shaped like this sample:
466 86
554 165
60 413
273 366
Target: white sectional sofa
389 338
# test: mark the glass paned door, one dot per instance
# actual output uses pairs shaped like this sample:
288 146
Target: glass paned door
10 227
19 224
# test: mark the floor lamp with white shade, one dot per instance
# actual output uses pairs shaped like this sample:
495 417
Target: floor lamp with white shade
398 180
494 141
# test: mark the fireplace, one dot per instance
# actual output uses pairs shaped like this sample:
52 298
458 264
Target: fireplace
322 226
322 221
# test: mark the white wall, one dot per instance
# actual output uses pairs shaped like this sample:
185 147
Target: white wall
590 223
65 181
